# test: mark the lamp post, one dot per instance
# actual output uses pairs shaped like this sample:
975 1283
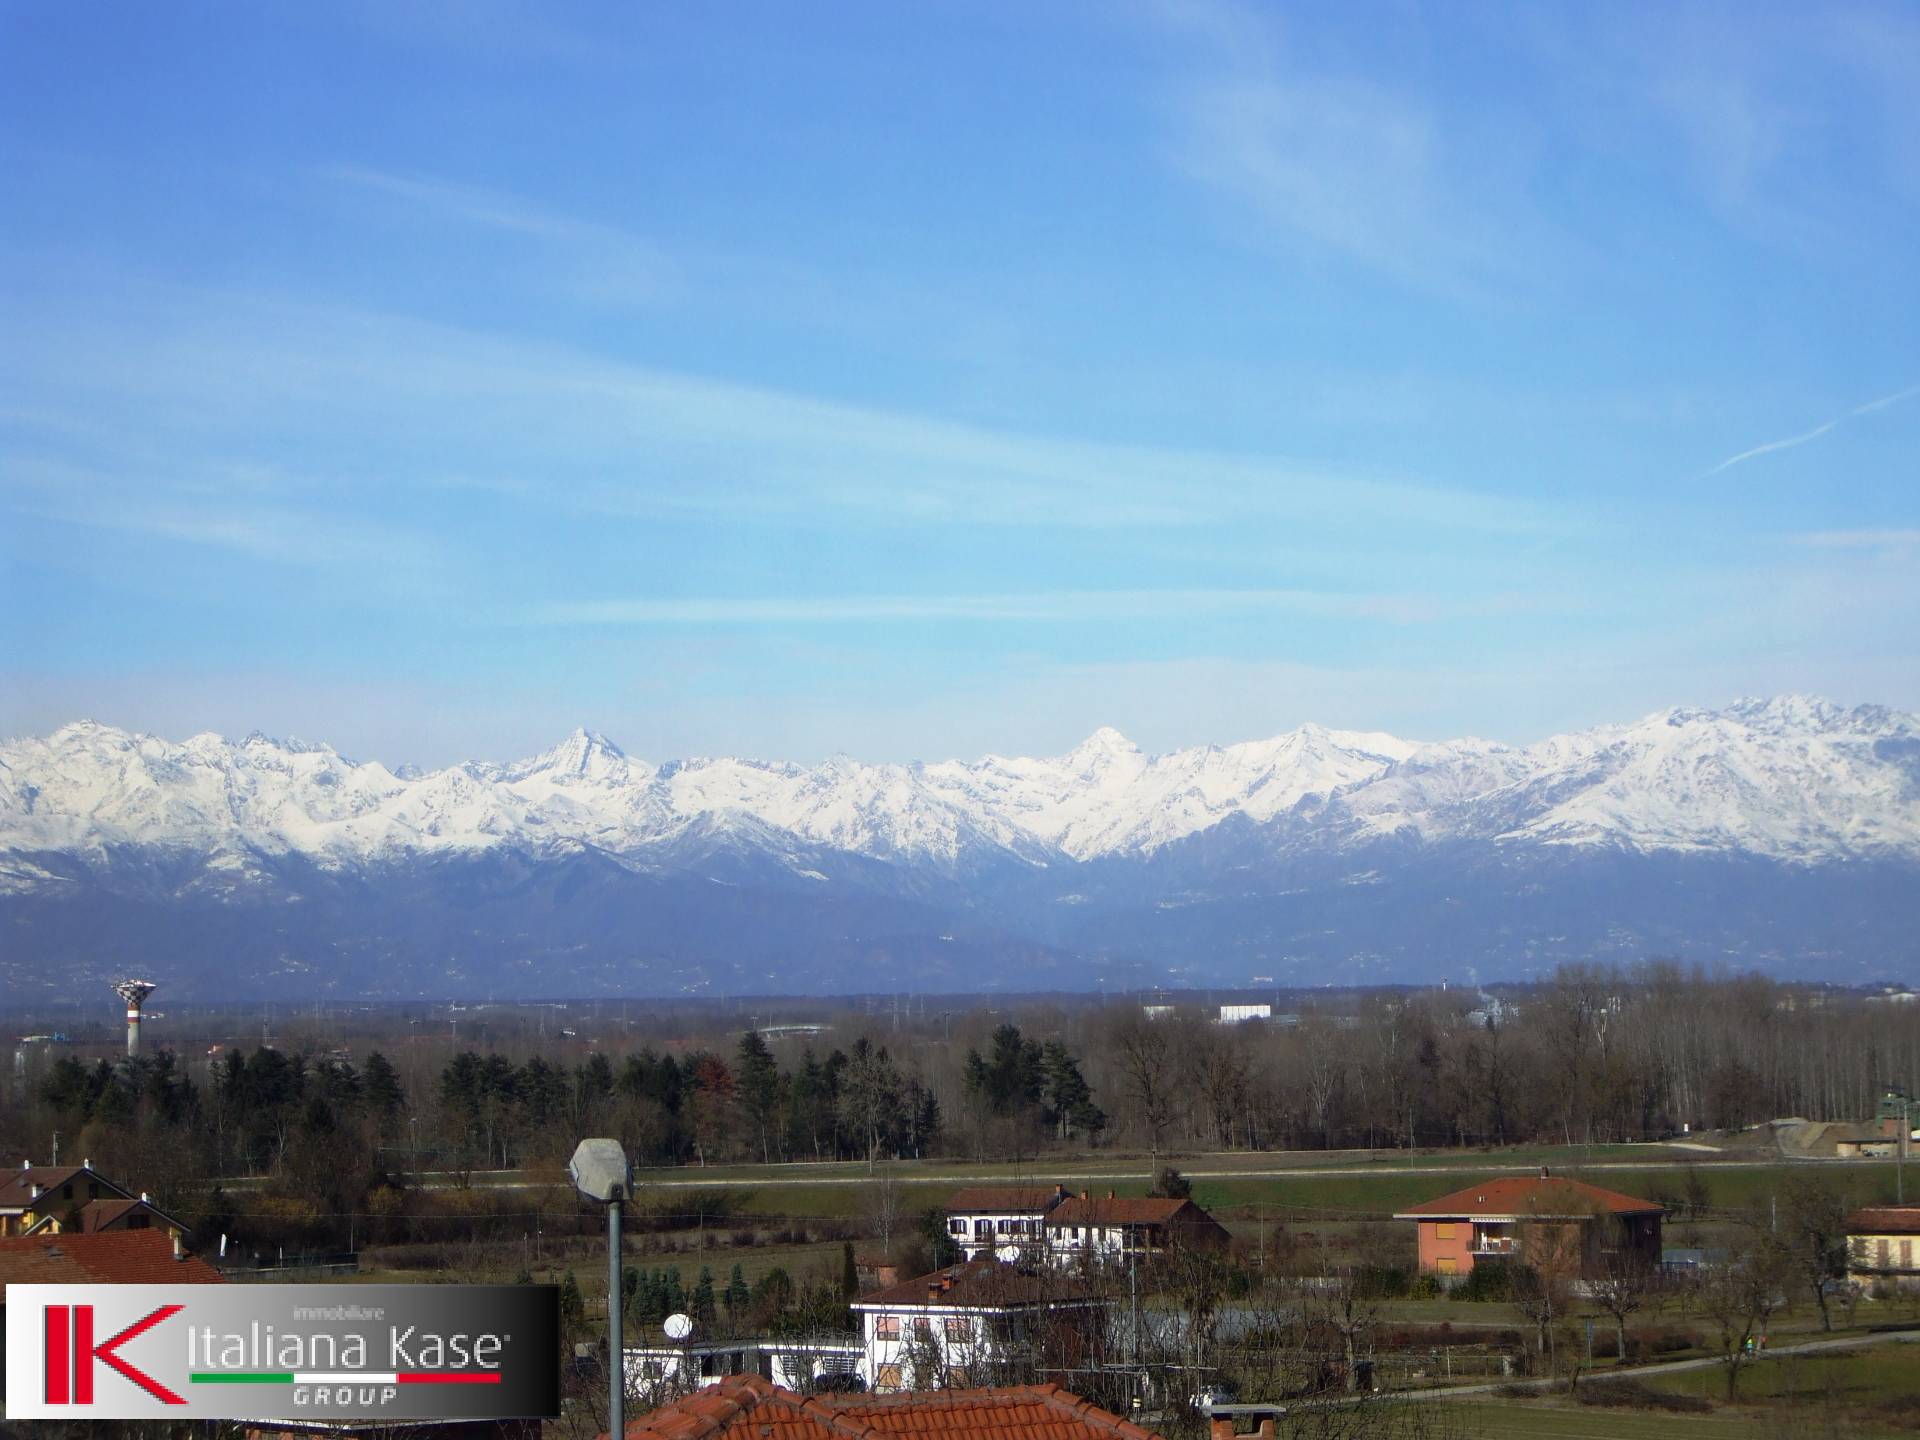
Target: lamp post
600 1172
1900 1147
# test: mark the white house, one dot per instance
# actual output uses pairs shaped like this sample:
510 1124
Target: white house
1084 1228
1240 1014
657 1373
966 1325
991 1219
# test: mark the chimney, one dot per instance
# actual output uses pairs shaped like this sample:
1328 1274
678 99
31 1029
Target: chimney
1545 1174
1109 1194
178 1253
143 1198
1086 1195
36 1191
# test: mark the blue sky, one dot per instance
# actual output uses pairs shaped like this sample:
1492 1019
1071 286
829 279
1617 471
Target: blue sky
927 380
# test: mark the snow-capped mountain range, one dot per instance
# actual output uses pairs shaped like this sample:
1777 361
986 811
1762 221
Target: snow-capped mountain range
1792 778
989 854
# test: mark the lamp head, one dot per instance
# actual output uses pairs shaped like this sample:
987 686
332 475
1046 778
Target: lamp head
600 1171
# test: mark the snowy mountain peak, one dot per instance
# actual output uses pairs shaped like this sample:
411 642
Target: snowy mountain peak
1792 778
584 756
1104 743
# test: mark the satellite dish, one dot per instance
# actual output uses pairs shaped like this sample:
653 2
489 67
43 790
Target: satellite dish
678 1327
1008 1253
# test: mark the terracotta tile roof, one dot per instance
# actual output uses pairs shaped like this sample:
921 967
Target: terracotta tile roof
1547 1197
1022 1199
1885 1220
985 1282
747 1407
119 1257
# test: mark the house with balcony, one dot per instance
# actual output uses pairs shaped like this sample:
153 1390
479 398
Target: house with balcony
1001 1219
1524 1217
1883 1246
980 1322
1084 1229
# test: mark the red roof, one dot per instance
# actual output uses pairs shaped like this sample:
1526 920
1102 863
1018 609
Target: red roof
1885 1220
1536 1196
1010 1199
747 1407
117 1257
984 1283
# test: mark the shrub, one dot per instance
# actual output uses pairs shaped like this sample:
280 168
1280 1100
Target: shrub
1489 1283
1631 1394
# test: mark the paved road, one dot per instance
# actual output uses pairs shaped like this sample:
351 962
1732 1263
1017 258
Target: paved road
808 1173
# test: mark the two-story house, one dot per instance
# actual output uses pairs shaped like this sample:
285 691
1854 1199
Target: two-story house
976 1323
1524 1216
1084 1229
1883 1246
53 1199
1001 1219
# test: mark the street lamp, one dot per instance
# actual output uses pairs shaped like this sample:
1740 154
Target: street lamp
600 1172
1900 1147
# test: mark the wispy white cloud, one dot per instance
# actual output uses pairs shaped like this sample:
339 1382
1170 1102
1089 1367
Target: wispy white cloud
1341 163
1057 605
594 259
1771 446
446 405
237 509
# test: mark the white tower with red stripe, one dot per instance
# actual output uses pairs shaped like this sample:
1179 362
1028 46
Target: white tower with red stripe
135 993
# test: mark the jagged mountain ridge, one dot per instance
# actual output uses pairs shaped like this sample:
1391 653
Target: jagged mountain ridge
1781 833
1792 779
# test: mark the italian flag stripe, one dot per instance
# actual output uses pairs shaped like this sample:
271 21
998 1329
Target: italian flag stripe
354 1377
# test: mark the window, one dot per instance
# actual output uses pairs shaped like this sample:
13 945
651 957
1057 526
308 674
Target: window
956 1227
958 1327
923 1329
886 1327
1443 1232
1906 1254
1447 1266
887 1377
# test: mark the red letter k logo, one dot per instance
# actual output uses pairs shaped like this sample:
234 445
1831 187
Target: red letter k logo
77 1363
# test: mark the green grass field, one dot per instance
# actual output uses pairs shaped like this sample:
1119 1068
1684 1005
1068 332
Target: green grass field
1863 1394
1537 1420
1870 1374
782 1191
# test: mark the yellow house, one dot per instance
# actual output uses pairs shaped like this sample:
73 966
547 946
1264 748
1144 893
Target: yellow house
54 1199
1883 1245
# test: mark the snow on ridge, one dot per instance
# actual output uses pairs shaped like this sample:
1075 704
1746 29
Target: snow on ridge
1792 777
